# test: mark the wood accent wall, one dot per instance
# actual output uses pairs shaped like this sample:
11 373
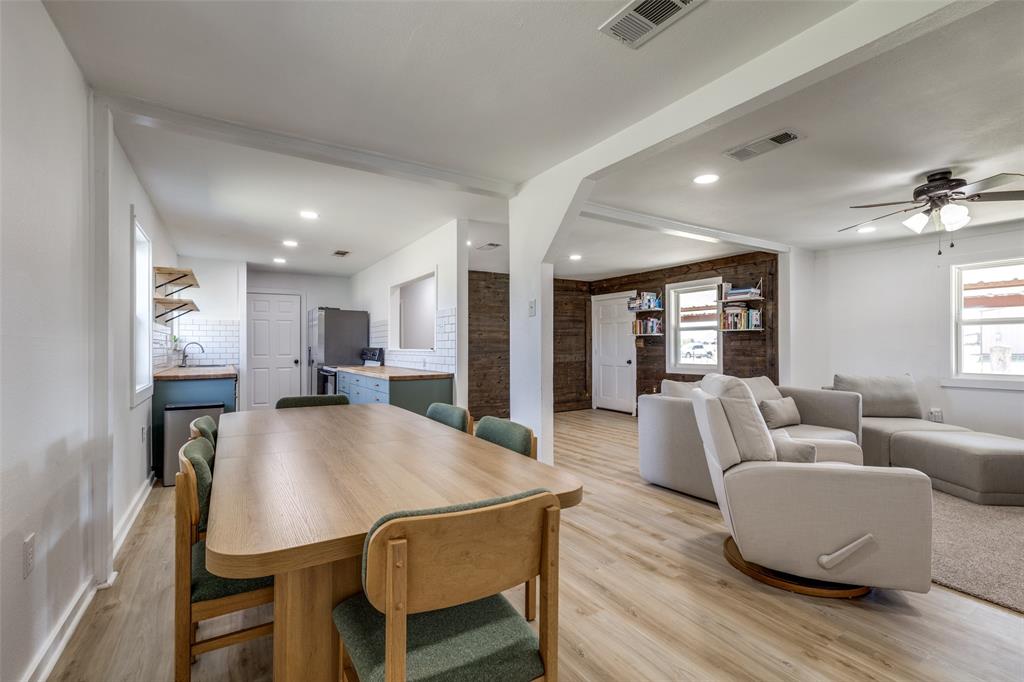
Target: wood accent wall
572 356
746 354
488 344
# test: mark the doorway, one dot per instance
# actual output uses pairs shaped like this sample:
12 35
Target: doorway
614 352
273 348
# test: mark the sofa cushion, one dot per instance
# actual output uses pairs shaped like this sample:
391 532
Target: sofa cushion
762 388
814 432
882 396
779 413
789 450
678 389
753 440
982 467
876 433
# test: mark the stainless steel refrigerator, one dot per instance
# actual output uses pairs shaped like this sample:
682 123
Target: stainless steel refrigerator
336 337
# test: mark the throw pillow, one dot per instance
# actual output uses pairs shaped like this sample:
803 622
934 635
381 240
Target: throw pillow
779 413
789 450
678 389
762 388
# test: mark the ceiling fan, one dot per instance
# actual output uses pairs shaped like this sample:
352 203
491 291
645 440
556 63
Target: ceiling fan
942 198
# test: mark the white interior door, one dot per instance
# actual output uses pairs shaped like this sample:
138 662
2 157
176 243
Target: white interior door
614 353
274 348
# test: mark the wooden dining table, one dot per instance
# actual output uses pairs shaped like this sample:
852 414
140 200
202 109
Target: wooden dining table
296 490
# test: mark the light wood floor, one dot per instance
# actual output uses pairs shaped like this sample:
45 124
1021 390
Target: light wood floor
645 595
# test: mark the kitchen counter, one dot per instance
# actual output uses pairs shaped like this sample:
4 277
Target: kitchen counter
394 373
197 372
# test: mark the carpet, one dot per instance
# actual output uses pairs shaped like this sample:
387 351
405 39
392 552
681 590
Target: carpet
979 549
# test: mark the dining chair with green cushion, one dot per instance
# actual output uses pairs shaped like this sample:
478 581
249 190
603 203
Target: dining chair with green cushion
198 594
452 416
508 434
204 427
431 606
311 401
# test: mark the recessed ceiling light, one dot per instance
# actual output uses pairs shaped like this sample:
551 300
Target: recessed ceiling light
280 261
469 242
575 256
706 179
290 243
867 229
309 215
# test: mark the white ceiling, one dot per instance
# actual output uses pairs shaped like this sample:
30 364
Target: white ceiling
609 250
502 89
952 98
220 200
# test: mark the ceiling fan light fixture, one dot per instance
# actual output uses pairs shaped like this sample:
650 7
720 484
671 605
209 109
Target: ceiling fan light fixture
951 214
866 229
916 222
954 226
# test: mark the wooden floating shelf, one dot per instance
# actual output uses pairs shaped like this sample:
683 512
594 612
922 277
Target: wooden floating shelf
178 278
753 329
648 335
646 310
740 300
167 309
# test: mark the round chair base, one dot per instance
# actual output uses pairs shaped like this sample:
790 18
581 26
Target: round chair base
785 581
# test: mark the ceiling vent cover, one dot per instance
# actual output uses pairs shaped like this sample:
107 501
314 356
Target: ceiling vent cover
489 246
641 20
341 253
762 146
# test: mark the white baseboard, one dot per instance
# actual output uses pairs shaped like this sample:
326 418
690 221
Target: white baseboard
42 664
121 532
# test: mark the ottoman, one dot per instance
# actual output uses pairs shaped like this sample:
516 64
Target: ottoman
984 468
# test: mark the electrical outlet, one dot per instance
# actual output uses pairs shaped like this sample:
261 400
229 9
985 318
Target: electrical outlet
533 307
28 555
935 415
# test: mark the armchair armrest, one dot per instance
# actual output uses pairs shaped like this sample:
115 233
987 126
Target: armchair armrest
671 450
787 516
835 409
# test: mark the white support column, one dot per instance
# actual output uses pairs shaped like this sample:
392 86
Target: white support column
462 315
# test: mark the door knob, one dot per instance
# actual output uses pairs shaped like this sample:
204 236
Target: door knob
296 361
629 362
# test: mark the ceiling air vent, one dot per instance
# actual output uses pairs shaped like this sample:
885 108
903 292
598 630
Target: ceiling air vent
641 20
341 254
761 146
489 246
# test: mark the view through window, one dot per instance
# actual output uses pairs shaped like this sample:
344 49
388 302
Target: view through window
989 333
693 343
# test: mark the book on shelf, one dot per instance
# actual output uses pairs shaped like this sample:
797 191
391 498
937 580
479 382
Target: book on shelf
647 326
727 291
737 316
645 300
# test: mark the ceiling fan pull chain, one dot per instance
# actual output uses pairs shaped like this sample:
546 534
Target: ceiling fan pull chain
940 243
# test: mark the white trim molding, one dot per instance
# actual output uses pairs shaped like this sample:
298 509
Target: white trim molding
42 665
124 526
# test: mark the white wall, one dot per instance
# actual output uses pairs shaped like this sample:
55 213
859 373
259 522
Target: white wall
45 337
222 287
885 309
130 455
443 252
314 291
801 359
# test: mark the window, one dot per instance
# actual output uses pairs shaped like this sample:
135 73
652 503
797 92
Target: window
142 314
989 319
693 339
415 306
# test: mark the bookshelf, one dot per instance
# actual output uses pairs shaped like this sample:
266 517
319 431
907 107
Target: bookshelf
740 309
649 305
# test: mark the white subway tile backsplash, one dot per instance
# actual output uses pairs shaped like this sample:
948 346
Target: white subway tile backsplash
219 338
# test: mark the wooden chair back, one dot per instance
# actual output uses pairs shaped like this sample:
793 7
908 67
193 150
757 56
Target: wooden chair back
187 495
426 562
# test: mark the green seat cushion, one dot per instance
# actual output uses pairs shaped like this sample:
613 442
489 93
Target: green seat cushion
452 416
485 639
200 453
505 433
207 428
206 585
311 401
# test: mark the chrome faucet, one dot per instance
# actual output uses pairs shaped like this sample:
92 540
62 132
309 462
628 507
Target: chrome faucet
184 352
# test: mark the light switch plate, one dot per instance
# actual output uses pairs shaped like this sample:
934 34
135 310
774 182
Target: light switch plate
935 415
533 307
28 555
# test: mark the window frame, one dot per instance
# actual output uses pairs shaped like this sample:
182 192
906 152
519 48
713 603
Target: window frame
957 324
672 327
139 392
396 314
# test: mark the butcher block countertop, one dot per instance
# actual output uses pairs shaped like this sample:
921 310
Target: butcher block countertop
198 372
395 373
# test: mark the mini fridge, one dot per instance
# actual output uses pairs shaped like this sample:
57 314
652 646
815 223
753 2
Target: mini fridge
177 418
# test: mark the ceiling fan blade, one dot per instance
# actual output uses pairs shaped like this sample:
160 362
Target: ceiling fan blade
990 183
891 203
904 210
997 196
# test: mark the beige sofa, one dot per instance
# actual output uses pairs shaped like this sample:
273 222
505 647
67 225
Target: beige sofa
985 468
671 451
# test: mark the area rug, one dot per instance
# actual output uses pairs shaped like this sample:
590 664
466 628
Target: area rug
979 549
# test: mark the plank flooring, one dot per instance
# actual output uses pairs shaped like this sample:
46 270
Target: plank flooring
645 595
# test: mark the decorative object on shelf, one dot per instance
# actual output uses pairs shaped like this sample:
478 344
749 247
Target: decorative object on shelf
645 301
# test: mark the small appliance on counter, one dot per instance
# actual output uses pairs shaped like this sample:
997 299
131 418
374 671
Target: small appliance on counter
372 357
